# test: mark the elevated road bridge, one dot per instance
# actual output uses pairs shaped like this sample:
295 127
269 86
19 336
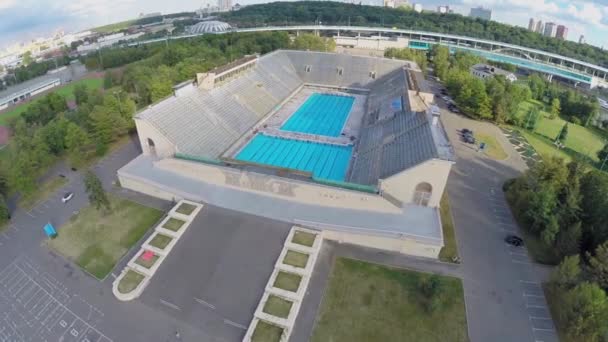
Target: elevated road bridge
551 64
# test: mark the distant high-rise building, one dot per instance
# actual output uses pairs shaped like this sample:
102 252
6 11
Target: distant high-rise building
480 12
418 8
532 25
562 32
581 39
389 3
224 5
550 29
540 27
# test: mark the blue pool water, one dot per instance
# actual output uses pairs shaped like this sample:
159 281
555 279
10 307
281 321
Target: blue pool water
322 160
321 114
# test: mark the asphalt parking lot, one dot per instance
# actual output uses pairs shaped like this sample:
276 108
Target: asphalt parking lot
216 275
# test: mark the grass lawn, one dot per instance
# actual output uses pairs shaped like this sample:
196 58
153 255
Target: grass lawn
493 148
65 90
44 190
185 208
130 281
450 249
96 241
295 259
146 263
368 302
160 241
544 147
266 332
173 224
586 141
277 306
288 281
303 238
583 140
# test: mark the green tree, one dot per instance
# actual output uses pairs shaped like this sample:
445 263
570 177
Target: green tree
441 61
106 126
594 206
81 94
598 265
77 144
555 108
585 311
27 58
537 85
107 80
602 155
563 134
569 239
95 191
567 274
312 42
4 212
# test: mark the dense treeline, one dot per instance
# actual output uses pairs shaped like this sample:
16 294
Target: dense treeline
332 13
497 99
566 208
152 70
30 71
47 130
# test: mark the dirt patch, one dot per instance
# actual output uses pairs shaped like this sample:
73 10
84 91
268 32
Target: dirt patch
5 134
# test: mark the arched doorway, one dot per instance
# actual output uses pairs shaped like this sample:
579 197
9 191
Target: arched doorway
422 193
151 147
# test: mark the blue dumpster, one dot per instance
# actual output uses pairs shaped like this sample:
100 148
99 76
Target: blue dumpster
49 230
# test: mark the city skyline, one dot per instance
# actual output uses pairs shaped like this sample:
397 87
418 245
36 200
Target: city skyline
28 19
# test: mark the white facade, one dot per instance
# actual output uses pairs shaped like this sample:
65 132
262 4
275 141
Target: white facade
418 8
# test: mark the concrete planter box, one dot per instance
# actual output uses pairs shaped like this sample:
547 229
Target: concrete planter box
161 253
136 292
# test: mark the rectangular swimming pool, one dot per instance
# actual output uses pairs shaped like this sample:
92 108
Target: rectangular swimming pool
321 114
322 160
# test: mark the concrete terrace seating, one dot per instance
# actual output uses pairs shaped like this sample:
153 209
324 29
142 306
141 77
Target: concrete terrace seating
205 123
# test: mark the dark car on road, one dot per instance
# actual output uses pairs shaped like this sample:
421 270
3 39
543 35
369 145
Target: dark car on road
467 136
514 240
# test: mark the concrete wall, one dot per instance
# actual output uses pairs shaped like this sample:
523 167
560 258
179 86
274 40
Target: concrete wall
402 185
300 191
162 146
399 245
373 43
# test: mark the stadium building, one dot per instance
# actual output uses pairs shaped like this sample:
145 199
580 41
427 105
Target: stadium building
347 144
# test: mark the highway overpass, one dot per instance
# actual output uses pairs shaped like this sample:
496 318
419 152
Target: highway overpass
549 63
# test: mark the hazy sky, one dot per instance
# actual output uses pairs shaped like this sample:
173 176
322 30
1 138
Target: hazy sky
27 19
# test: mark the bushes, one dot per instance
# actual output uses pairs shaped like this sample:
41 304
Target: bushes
431 288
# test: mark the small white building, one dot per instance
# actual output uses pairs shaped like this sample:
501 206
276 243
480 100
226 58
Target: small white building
484 71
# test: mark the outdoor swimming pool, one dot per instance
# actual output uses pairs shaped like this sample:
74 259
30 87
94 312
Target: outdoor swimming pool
322 160
321 114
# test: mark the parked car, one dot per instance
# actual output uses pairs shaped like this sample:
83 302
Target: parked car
468 138
514 240
466 131
67 196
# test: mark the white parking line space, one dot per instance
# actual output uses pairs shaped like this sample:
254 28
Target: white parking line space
37 308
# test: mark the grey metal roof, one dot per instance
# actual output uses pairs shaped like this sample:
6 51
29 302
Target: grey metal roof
391 140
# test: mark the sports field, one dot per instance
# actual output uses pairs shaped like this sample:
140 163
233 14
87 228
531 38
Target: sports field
64 90
586 141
